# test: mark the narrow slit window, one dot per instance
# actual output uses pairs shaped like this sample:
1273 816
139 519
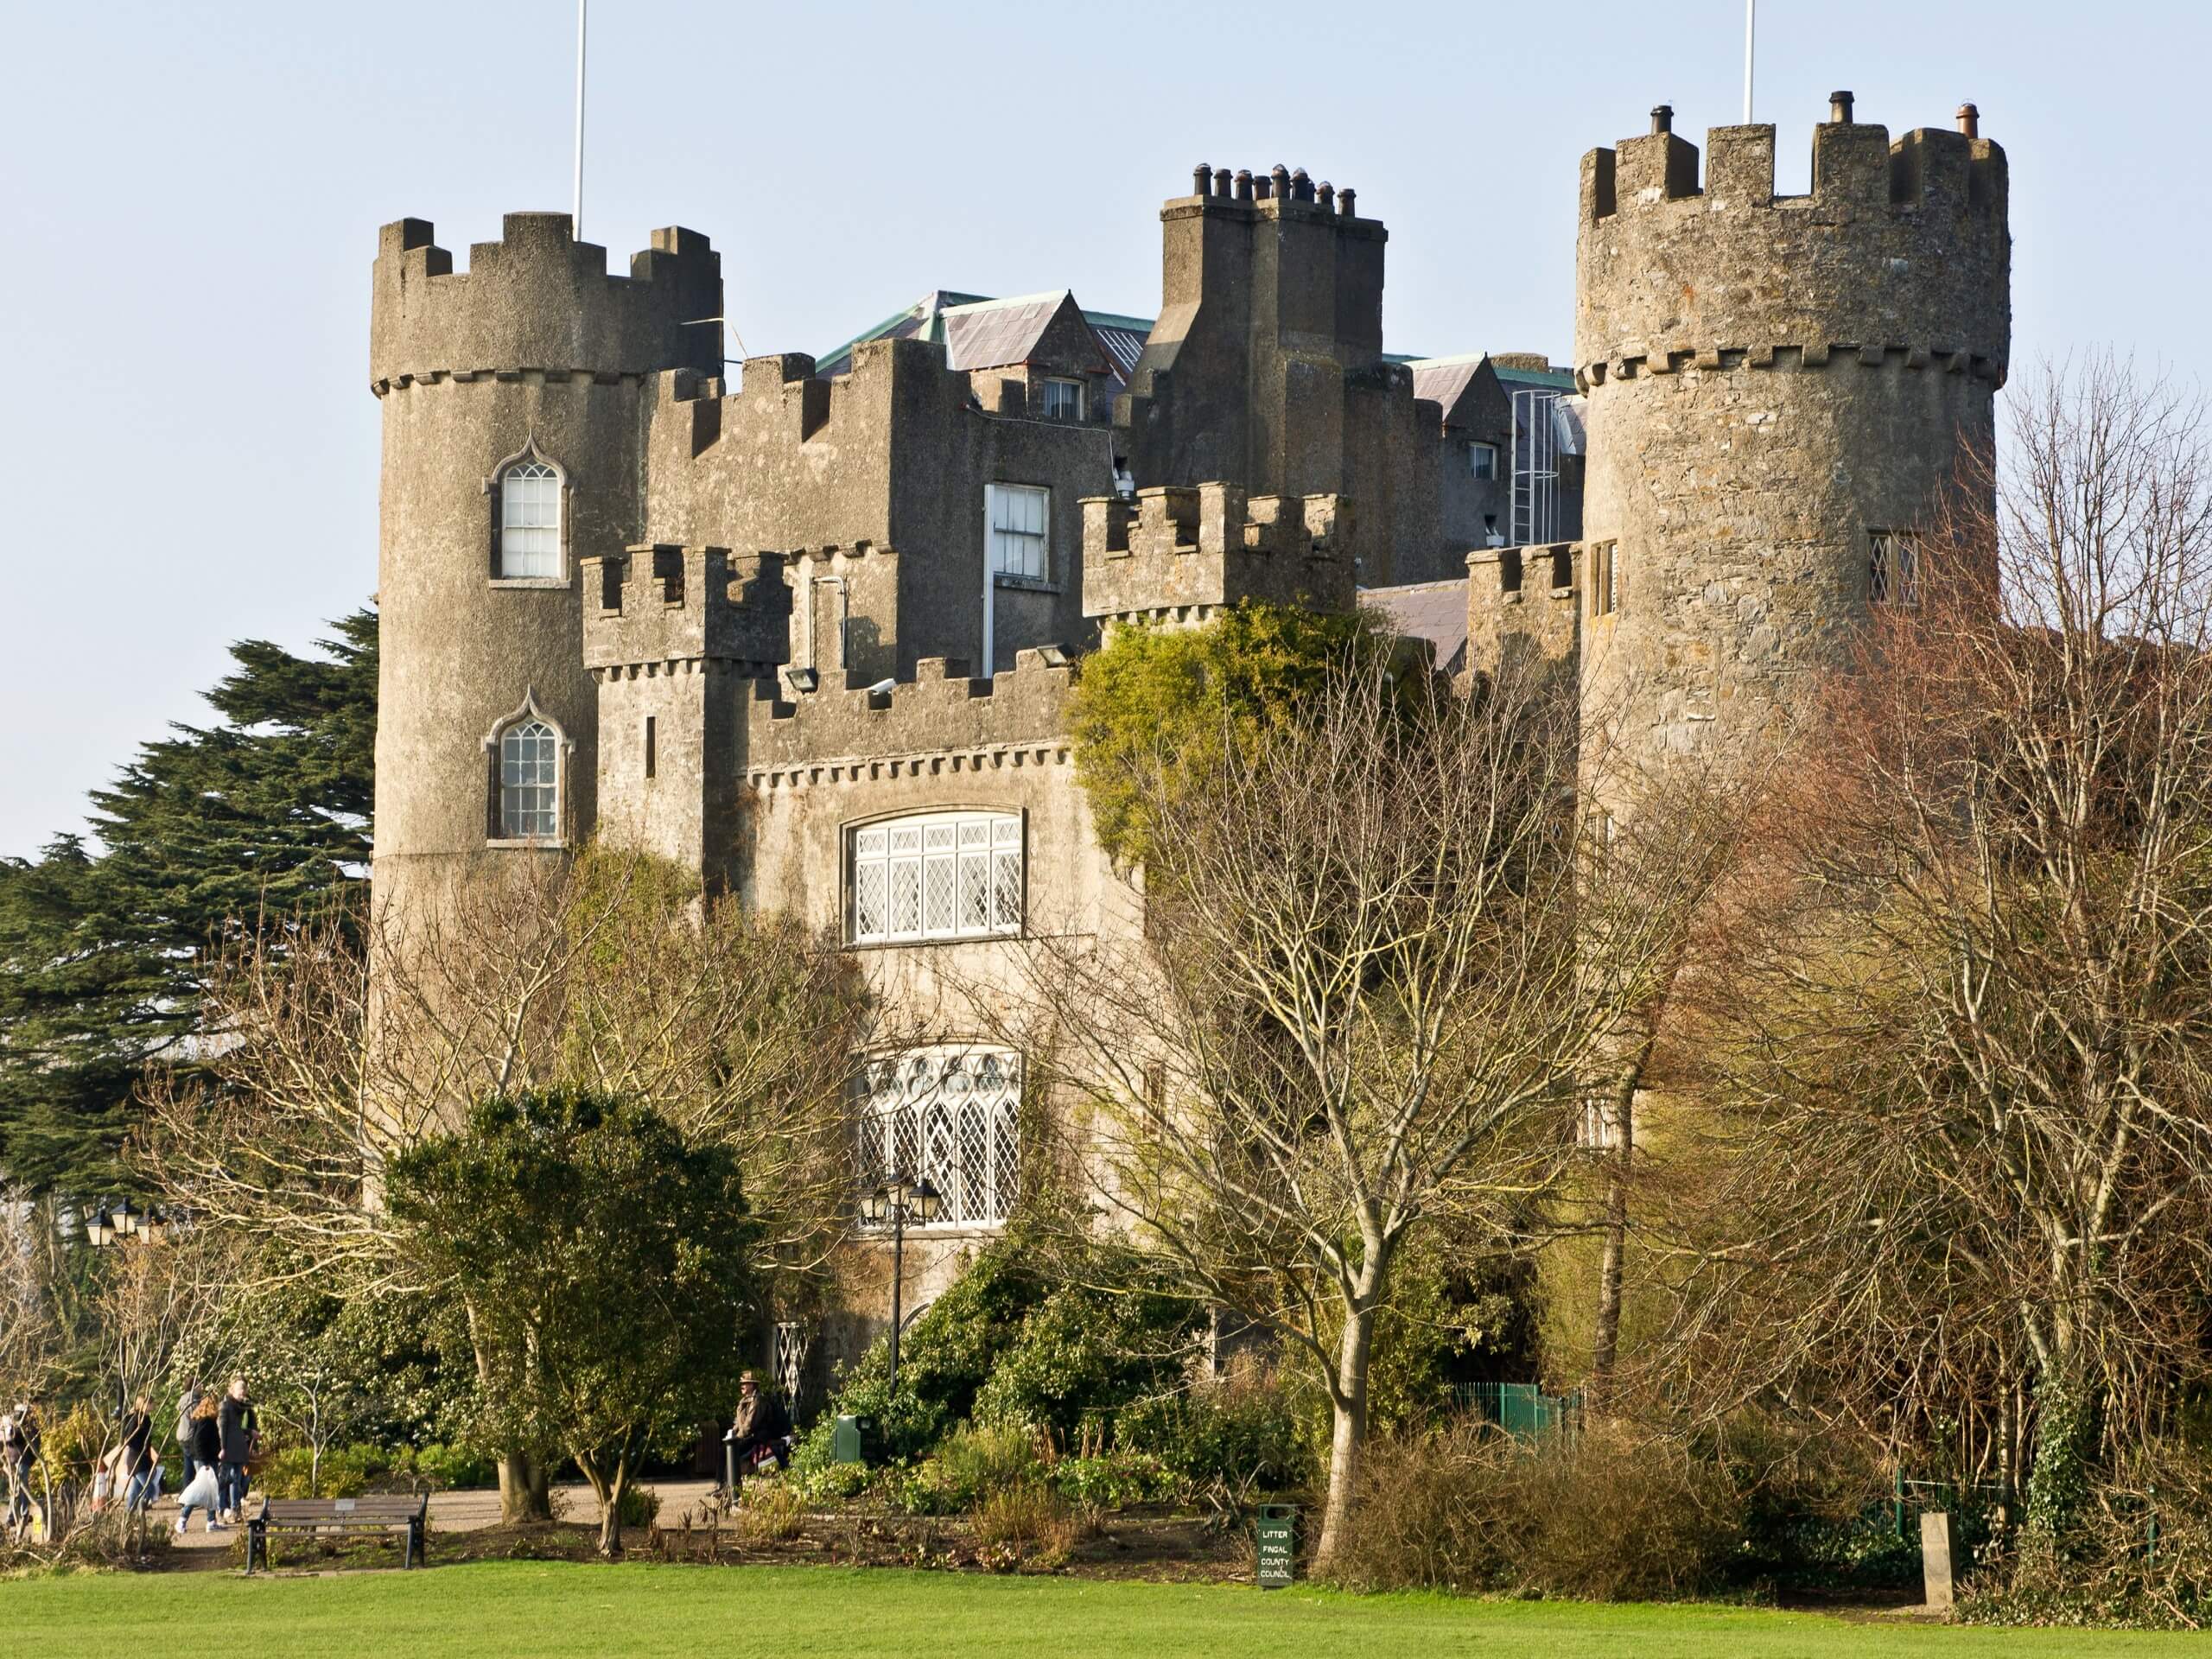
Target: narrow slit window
1893 574
651 757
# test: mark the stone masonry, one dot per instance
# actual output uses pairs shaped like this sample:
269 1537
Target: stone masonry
781 626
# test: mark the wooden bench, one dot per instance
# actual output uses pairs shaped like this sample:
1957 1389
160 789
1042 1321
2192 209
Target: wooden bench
339 1515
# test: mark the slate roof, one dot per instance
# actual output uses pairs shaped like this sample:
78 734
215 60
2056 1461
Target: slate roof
1434 611
932 317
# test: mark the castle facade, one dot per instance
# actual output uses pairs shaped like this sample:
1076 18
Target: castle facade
812 633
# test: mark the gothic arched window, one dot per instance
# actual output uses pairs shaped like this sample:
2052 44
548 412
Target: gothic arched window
527 541
529 756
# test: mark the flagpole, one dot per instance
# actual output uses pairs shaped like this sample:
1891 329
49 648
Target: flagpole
576 218
1750 38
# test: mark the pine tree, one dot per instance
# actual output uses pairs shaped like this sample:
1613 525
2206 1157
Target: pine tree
210 830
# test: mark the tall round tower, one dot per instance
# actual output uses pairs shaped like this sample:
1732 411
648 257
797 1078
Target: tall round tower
514 402
1779 389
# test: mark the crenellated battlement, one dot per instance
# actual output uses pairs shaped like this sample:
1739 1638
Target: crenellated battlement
1901 250
538 300
661 608
1179 553
943 721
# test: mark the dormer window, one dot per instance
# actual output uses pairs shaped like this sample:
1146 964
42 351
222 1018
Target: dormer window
1061 400
526 538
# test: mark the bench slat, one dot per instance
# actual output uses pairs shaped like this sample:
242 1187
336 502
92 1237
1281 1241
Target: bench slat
379 1511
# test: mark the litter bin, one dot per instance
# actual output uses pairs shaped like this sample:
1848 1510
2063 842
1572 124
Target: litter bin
846 1441
1276 1542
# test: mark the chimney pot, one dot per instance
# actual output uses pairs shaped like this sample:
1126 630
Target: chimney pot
1328 195
1201 179
1345 197
1222 184
1301 186
1970 120
1244 184
1279 177
1839 108
1662 119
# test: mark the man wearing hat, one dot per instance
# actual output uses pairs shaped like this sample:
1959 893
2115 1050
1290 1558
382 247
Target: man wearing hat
762 1428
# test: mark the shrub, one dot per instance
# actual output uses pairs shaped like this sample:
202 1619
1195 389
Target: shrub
1243 1433
449 1468
2119 1574
769 1512
346 1472
1606 1514
639 1506
1084 1352
1024 1524
1116 1480
970 1465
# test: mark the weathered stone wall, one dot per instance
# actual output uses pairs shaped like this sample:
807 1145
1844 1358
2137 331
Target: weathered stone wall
1180 554
1770 380
535 347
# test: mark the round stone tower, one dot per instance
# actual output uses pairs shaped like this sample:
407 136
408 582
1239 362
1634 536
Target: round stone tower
1779 389
536 364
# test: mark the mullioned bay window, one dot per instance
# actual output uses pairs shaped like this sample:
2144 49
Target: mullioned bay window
936 876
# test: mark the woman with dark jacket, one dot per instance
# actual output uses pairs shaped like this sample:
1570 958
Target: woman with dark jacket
142 1471
207 1449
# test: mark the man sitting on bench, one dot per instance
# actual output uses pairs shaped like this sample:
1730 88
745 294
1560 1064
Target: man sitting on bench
762 1430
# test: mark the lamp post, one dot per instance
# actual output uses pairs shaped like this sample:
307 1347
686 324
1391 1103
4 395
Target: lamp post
107 1228
895 1203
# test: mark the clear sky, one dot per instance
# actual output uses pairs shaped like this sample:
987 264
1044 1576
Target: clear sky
191 192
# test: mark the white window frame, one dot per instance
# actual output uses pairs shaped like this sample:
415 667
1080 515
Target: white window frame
1605 579
540 820
1482 460
530 495
1023 550
1894 570
950 1114
1074 389
509 829
928 877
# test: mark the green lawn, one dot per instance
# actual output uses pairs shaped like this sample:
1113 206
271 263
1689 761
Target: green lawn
675 1612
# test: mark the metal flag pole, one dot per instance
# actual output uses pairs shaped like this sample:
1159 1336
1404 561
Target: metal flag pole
576 218
1750 39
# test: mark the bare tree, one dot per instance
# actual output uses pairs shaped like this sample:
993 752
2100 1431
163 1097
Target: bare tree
1966 1087
1367 998
609 972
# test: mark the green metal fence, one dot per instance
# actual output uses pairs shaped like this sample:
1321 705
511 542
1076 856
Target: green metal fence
1522 1409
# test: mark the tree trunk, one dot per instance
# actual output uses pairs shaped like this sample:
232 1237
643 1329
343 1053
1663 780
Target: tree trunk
1605 1341
1348 1437
2068 1425
525 1492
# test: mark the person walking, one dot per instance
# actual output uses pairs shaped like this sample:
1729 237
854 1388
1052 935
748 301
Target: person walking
141 1469
203 1492
186 1402
19 1437
240 1441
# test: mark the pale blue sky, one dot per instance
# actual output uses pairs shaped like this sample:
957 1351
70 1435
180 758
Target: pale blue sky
191 194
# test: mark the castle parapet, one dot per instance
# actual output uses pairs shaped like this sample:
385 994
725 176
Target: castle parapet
659 607
1179 553
942 722
1523 600
1900 252
539 300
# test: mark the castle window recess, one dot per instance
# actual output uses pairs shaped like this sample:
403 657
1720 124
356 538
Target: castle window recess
530 521
530 782
1063 400
1021 517
1893 576
951 1116
939 875
1604 579
1482 460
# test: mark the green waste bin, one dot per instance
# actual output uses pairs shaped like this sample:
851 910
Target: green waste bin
845 1442
1276 1541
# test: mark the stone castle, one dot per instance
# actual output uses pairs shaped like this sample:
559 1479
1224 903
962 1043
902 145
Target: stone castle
812 633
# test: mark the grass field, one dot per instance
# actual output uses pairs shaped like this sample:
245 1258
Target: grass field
674 1613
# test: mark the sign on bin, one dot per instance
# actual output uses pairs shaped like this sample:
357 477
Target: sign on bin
1278 1545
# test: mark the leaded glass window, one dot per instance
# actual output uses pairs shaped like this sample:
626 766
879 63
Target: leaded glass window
940 875
952 1115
